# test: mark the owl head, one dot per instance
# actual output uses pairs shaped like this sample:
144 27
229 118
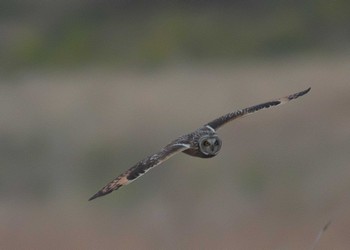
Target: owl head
210 145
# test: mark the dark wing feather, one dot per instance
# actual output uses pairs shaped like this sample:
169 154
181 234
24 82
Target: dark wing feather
141 168
217 123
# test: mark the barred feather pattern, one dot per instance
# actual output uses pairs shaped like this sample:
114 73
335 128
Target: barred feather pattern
188 143
141 168
217 123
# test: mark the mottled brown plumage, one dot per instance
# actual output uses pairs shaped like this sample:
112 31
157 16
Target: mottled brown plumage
203 143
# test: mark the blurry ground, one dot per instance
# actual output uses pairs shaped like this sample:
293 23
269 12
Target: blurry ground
280 176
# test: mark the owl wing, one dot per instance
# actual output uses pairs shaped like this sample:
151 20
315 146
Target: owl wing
217 123
141 168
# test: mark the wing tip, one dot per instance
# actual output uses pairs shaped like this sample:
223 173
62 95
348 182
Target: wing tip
304 92
307 90
299 94
99 194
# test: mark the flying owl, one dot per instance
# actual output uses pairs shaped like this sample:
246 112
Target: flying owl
203 143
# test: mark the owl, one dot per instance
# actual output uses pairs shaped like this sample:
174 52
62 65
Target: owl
203 142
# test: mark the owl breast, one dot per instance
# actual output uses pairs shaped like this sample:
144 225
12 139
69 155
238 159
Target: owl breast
197 153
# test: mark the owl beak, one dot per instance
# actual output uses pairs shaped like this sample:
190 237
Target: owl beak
212 148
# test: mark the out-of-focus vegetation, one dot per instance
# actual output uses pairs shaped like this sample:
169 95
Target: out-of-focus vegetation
68 33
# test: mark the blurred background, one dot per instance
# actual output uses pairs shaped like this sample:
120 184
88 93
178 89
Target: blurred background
88 88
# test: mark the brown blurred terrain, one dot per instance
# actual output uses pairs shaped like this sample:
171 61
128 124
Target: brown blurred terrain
89 88
281 174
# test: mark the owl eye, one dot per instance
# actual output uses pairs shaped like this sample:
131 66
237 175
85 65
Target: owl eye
216 143
206 143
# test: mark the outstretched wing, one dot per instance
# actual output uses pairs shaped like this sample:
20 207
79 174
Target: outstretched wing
141 168
217 123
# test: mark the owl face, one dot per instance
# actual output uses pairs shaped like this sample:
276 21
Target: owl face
210 145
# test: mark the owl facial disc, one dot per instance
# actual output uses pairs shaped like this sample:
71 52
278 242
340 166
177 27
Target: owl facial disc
210 145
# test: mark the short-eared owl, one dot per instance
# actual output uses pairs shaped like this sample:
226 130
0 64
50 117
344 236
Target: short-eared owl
204 143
